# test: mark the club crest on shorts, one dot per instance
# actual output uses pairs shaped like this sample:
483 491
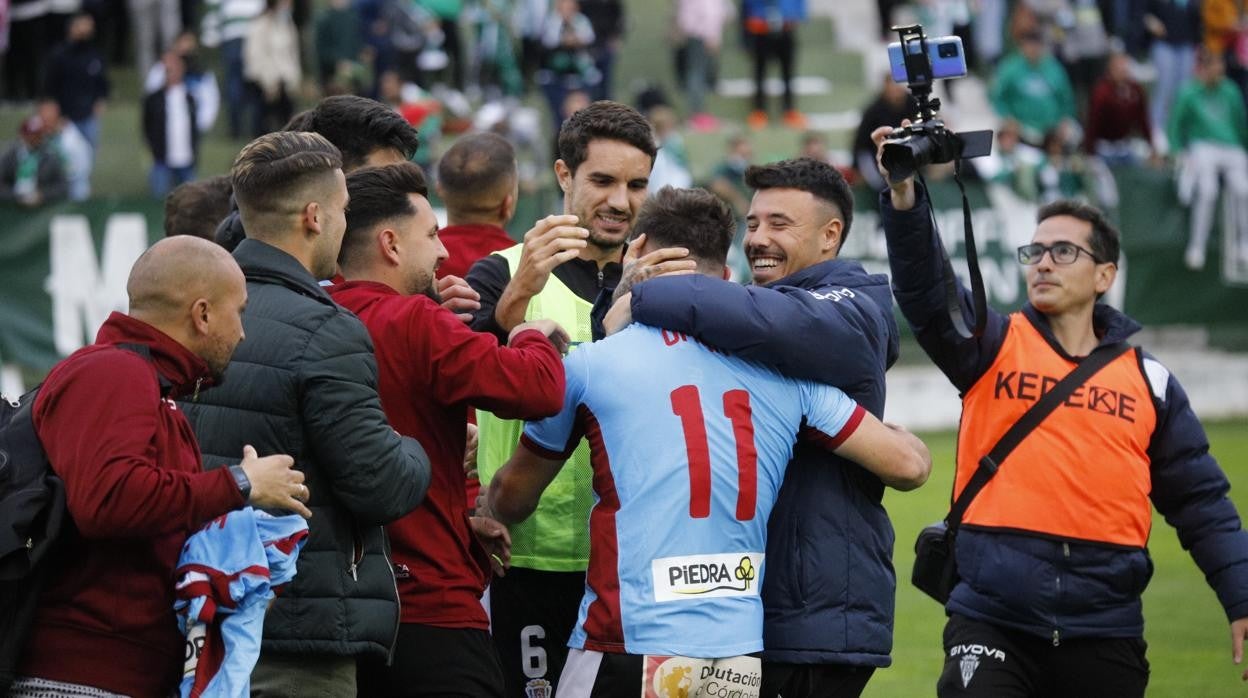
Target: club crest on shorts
968 664
538 688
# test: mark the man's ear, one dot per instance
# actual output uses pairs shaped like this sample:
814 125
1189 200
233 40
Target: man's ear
563 175
1105 275
727 273
507 209
832 235
201 312
312 218
388 243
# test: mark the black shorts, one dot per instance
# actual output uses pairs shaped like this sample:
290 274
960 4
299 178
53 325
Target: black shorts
814 680
532 614
989 661
431 661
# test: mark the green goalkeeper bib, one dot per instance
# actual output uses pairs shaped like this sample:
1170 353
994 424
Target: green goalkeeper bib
556 537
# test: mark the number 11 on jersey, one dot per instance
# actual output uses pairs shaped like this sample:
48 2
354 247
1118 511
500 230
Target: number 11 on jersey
687 404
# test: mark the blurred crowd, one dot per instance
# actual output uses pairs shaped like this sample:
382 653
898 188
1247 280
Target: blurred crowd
1080 86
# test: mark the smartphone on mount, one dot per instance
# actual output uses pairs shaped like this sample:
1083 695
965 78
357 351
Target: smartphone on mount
944 53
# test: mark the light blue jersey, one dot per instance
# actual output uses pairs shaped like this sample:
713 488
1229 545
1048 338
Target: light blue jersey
688 448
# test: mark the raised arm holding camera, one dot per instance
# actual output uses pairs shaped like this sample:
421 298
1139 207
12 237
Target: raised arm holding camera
1051 552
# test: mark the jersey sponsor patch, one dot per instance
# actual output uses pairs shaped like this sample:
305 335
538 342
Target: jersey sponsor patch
692 577
685 677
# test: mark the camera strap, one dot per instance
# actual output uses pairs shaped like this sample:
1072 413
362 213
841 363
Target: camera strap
991 463
953 300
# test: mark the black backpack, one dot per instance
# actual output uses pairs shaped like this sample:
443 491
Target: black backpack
32 518
32 512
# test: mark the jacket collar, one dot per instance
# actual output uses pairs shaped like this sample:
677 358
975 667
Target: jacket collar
1112 325
363 286
181 370
266 264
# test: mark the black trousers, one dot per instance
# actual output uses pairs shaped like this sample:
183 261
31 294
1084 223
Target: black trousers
24 62
814 680
780 46
532 614
989 661
431 661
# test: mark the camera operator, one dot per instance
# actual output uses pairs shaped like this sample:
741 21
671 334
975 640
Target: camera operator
1052 552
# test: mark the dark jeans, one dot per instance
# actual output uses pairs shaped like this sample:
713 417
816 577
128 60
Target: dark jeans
779 46
814 680
985 660
163 178
431 661
271 115
239 99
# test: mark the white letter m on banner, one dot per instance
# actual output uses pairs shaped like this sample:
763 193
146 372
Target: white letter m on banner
84 291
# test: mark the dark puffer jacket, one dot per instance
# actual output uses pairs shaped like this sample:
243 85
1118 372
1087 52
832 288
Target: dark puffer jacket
304 382
829 588
1044 585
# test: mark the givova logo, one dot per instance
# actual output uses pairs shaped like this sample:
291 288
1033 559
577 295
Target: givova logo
706 576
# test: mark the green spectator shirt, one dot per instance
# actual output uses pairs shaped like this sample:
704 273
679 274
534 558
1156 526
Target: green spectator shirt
1037 96
1214 114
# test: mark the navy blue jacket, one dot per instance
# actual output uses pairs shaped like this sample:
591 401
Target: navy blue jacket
77 78
1043 585
829 587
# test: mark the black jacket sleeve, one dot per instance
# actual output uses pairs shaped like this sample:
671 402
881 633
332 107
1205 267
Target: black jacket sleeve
488 277
1190 490
377 474
915 259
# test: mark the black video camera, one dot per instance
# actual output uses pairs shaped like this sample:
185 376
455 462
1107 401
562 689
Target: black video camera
919 63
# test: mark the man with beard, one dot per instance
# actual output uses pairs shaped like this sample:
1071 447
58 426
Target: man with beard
306 384
829 590
134 484
431 367
606 152
687 463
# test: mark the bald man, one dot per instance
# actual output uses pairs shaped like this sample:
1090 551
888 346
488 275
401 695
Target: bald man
134 483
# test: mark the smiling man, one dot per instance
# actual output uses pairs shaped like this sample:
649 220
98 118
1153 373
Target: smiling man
431 367
606 152
1052 552
829 589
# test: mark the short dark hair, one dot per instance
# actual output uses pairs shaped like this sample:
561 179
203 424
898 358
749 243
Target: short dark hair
271 169
477 173
607 120
196 208
378 194
809 175
358 126
300 121
1105 238
692 218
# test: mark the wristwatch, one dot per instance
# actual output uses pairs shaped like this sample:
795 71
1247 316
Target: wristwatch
241 479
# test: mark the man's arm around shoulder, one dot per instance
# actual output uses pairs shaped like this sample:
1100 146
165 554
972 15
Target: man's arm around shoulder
775 325
376 473
523 380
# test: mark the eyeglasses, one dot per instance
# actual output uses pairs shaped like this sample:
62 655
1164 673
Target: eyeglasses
1061 252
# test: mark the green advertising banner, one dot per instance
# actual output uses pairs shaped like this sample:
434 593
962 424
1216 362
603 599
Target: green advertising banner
65 267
